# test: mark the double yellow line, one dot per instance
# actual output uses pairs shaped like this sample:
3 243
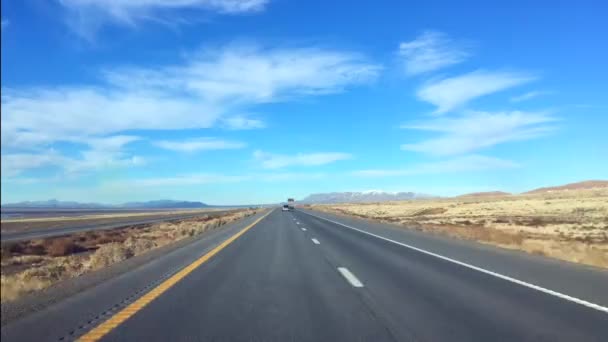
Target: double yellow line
104 328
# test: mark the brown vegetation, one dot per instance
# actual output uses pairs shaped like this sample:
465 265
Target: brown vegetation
486 194
32 265
590 184
569 225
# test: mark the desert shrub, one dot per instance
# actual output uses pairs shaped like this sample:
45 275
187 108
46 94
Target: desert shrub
34 249
11 249
62 247
15 247
465 222
430 211
109 254
139 246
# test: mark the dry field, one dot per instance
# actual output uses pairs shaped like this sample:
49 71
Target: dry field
39 223
569 225
33 265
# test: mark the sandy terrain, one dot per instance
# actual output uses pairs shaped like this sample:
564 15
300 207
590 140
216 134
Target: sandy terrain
32 265
570 225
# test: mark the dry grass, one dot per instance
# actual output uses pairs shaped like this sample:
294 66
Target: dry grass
33 265
568 225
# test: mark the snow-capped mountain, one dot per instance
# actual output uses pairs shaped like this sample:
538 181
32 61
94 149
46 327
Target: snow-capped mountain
361 196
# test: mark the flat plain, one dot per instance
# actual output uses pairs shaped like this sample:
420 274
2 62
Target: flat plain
569 225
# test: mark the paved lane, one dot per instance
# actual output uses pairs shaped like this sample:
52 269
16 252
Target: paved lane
432 299
272 284
296 277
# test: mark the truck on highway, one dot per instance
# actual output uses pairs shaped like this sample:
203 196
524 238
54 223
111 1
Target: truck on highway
290 203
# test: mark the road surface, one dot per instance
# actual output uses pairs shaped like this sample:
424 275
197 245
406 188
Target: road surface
290 276
79 227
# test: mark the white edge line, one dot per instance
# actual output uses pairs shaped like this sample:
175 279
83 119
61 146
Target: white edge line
483 270
303 229
316 241
352 279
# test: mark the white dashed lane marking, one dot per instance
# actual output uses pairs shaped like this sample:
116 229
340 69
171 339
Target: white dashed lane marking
350 277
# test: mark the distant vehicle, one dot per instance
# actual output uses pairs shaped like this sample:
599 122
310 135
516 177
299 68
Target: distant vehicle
285 207
290 203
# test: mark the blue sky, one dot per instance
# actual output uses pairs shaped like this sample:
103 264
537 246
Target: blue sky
253 101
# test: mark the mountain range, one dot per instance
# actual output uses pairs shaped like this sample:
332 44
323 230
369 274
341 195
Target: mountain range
158 204
362 196
329 197
382 196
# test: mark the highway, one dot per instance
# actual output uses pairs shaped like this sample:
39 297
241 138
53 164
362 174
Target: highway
292 276
74 226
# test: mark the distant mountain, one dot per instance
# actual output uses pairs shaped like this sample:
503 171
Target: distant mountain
159 204
364 196
590 184
486 194
164 204
53 203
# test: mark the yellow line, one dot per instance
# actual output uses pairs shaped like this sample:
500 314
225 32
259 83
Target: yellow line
117 319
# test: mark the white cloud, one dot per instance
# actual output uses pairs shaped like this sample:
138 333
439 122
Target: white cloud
183 180
101 152
276 161
242 123
212 178
204 91
431 51
477 130
199 144
14 164
5 23
469 163
197 94
453 92
288 176
87 16
529 95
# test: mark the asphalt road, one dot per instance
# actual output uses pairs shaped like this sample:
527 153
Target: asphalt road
78 227
296 277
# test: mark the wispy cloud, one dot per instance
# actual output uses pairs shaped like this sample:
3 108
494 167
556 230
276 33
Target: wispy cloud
213 178
205 91
453 92
5 23
240 122
14 164
431 51
529 95
99 153
469 163
182 180
88 16
207 87
478 130
277 161
199 144
288 176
